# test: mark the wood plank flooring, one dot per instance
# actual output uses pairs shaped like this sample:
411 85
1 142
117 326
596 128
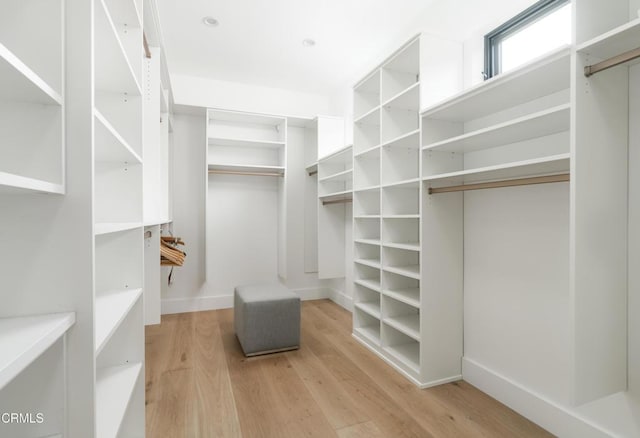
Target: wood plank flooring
200 385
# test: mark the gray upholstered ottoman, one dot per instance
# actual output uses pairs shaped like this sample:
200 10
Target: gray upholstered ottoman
266 318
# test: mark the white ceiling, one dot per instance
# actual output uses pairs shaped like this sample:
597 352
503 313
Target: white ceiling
260 41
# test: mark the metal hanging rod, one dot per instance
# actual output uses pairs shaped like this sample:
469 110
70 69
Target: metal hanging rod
504 183
612 62
337 201
145 44
237 172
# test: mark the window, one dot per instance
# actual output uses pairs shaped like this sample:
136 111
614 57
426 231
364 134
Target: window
541 28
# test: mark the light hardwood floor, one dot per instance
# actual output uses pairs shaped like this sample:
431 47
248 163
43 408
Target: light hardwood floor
199 385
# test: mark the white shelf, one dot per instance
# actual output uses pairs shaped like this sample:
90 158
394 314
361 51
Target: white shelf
408 99
411 271
10 183
345 175
411 246
535 167
367 151
540 124
374 285
410 140
615 42
312 168
367 216
401 216
110 146
102 228
407 354
410 296
114 387
243 117
368 241
23 339
372 117
366 189
373 263
244 142
370 333
412 183
370 307
113 70
20 83
247 168
111 309
409 325
541 77
337 196
337 156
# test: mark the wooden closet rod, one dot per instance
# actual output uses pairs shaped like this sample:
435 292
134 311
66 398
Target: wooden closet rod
337 201
504 183
612 62
145 44
237 172
313 172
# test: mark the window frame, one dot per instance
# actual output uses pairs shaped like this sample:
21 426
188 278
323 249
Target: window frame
492 40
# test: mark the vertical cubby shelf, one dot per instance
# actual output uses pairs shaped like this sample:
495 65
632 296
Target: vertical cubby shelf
32 97
118 219
387 190
335 176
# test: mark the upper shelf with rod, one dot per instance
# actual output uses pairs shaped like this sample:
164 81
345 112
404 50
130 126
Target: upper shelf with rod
618 46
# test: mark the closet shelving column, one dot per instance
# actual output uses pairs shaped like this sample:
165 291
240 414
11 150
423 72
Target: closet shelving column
605 163
118 219
387 210
513 126
33 326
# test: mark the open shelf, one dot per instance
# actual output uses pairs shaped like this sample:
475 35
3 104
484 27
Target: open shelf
345 175
20 83
113 72
102 228
411 271
109 144
539 124
408 324
111 309
410 140
373 263
401 216
409 246
312 169
114 388
615 42
370 333
366 95
543 76
371 118
338 196
411 183
10 183
375 242
244 142
247 168
23 339
535 167
370 307
410 296
374 285
408 354
408 99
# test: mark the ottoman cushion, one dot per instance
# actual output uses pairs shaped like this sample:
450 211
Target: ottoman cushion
266 318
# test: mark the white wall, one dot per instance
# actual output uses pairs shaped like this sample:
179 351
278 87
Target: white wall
212 93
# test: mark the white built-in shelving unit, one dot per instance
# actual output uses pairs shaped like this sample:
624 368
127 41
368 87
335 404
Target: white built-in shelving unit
118 219
386 211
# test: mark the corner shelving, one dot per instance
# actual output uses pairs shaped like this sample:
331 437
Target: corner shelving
115 387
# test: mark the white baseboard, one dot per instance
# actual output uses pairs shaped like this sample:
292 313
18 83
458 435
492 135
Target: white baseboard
555 418
215 302
342 300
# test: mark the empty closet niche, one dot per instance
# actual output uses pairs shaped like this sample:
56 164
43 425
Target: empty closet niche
367 276
31 101
514 125
401 159
367 230
367 254
404 349
401 288
366 170
400 114
118 279
118 194
335 174
402 72
402 317
119 378
366 203
401 200
366 96
367 326
37 391
126 20
366 132
367 300
402 262
403 233
118 100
